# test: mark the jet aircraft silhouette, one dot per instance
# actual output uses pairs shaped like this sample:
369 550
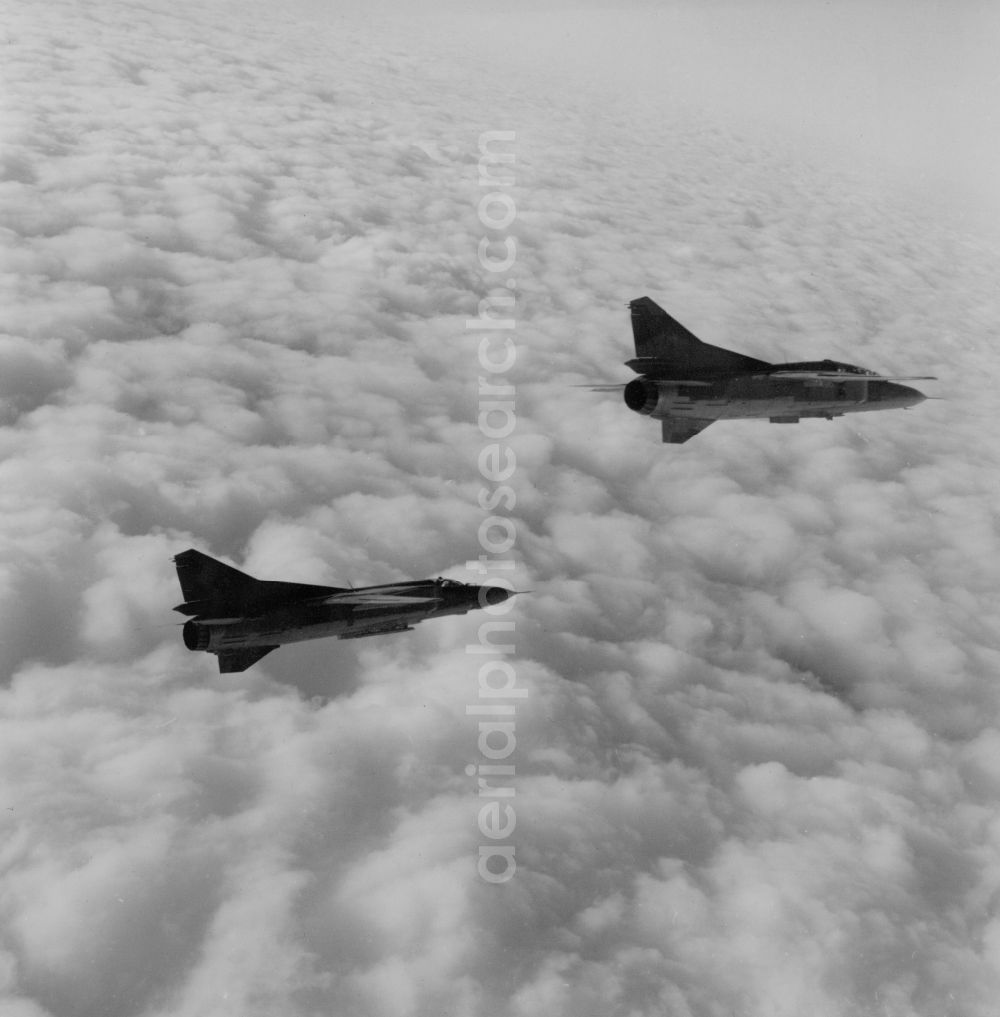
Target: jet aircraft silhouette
688 384
241 619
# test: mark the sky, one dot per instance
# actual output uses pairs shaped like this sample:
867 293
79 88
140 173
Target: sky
753 749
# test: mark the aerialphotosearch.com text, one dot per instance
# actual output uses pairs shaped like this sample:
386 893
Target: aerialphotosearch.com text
498 694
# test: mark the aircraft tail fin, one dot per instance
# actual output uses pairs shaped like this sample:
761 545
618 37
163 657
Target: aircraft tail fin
210 587
664 346
205 581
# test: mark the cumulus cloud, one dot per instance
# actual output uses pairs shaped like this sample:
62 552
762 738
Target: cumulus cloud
756 756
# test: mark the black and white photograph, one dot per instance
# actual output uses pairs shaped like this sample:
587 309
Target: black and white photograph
499 508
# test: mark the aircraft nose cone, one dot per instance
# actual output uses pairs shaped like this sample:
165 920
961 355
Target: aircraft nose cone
493 595
901 395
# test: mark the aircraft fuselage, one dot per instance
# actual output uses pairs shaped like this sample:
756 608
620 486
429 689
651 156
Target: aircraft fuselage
241 619
688 384
770 396
319 620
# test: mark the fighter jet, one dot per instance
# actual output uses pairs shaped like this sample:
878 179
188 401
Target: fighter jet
687 384
241 619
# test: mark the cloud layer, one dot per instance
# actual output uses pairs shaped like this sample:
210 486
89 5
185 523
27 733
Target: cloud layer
757 754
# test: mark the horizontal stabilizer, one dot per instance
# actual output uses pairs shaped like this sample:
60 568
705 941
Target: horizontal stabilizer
231 661
677 430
